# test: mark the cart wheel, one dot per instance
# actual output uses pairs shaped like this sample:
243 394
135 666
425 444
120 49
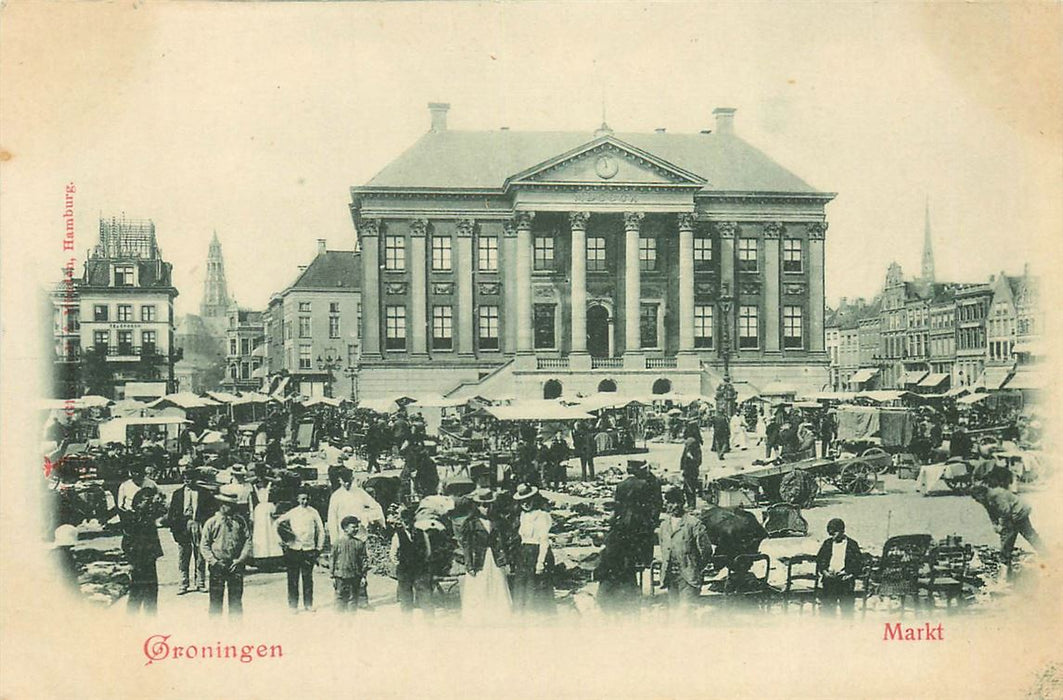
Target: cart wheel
877 455
960 484
857 478
798 488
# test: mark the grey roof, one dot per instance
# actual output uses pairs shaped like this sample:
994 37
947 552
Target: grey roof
485 159
333 269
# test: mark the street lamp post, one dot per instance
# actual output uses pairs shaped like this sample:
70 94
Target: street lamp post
725 392
328 364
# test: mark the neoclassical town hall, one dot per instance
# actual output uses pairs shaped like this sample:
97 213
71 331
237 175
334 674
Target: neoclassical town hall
560 263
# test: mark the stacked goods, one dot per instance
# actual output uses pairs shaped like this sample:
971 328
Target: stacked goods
377 549
103 576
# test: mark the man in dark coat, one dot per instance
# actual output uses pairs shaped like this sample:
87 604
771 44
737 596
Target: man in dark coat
637 511
583 437
838 563
142 548
721 434
960 443
189 509
690 466
826 433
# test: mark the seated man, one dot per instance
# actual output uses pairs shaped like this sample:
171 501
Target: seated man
838 564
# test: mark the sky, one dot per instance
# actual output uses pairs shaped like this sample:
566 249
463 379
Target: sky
254 120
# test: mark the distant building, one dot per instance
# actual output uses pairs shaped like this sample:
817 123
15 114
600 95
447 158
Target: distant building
972 310
246 358
202 337
123 330
942 334
216 301
848 371
312 328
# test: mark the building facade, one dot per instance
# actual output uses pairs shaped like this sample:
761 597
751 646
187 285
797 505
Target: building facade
942 334
245 355
972 311
125 323
572 262
312 331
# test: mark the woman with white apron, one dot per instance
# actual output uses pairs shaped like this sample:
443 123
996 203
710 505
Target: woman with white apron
485 594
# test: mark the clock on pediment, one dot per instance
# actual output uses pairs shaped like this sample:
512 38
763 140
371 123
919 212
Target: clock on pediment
606 166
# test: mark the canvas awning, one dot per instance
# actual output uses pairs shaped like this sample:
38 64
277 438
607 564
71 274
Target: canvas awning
913 376
384 406
606 400
537 410
862 375
778 389
183 399
994 377
1029 347
279 391
1028 379
833 396
933 379
957 391
884 396
972 398
147 390
745 391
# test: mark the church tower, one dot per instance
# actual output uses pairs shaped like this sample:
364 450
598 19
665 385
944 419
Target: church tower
927 271
216 300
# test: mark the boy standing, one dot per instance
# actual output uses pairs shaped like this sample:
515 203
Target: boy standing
838 563
349 565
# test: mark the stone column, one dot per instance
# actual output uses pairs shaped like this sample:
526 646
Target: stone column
816 232
578 224
369 240
463 273
728 288
632 291
524 290
686 284
418 288
509 286
772 232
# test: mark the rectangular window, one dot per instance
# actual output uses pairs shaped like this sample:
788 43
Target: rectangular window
147 312
441 253
304 326
245 370
123 275
232 346
305 357
125 342
304 307
791 255
748 327
287 327
647 253
333 307
394 253
442 327
648 325
245 346
543 322
747 254
702 253
147 342
395 327
125 312
488 327
334 326
544 252
792 327
596 254
703 326
487 253
101 339
99 312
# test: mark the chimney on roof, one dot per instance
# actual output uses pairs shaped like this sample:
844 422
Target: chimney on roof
725 120
321 246
659 130
439 110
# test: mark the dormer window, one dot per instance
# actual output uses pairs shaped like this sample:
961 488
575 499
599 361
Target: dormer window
123 275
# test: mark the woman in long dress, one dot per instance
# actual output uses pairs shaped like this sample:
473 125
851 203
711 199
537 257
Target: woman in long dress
738 432
533 589
484 589
265 542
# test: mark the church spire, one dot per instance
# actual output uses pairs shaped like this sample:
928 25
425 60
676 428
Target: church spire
927 272
216 301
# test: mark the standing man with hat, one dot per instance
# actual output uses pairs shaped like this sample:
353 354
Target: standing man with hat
301 551
636 515
690 466
685 550
185 518
226 547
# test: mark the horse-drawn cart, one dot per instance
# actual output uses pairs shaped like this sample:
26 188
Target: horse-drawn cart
798 483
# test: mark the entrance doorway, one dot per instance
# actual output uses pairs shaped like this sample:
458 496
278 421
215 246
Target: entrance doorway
598 331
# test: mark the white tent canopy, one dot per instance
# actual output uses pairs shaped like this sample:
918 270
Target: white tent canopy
972 398
538 409
183 399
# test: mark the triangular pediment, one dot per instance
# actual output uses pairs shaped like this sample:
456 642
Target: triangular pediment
607 161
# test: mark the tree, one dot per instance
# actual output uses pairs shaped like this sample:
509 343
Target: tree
97 375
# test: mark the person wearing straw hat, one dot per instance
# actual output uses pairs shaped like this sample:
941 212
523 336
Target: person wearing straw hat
485 592
226 547
532 587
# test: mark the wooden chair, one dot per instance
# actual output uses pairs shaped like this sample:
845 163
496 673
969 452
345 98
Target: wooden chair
948 566
897 572
802 579
746 585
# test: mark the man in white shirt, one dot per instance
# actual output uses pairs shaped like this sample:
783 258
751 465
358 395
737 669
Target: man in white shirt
302 537
838 563
128 488
349 499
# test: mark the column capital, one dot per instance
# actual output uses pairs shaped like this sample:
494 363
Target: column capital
523 220
465 227
368 228
418 227
726 229
686 221
817 230
633 220
509 228
773 229
578 219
